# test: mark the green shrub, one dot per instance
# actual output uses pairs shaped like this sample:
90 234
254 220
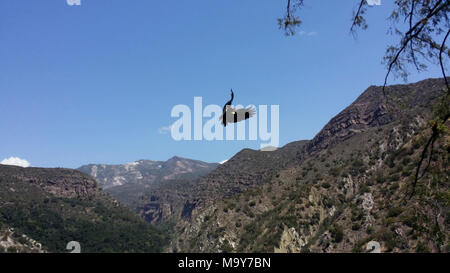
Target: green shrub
380 178
226 247
356 227
406 161
364 188
337 233
334 172
394 177
422 248
410 221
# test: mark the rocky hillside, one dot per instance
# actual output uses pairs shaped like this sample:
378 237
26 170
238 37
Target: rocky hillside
127 182
343 191
247 169
41 210
13 242
371 109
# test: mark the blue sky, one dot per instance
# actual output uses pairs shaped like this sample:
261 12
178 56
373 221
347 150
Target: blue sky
94 83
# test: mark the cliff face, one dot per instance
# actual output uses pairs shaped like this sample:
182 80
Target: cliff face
58 182
335 193
372 109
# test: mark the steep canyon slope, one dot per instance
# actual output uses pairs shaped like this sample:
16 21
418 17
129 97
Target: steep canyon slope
335 193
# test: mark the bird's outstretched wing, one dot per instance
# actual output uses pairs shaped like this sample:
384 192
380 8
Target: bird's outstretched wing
233 115
244 113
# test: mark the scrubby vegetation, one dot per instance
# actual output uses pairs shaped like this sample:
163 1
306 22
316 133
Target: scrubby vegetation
337 192
95 220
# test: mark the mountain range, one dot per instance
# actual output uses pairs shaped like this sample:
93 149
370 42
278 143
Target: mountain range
345 190
126 182
335 193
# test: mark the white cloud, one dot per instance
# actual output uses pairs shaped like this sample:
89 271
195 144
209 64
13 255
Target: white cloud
15 161
374 2
165 130
73 2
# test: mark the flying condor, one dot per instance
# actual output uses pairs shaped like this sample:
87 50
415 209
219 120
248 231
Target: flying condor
232 115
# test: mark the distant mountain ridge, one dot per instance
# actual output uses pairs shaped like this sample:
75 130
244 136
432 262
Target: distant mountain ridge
147 172
128 182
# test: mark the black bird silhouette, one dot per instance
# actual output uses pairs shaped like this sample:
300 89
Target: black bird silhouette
232 115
